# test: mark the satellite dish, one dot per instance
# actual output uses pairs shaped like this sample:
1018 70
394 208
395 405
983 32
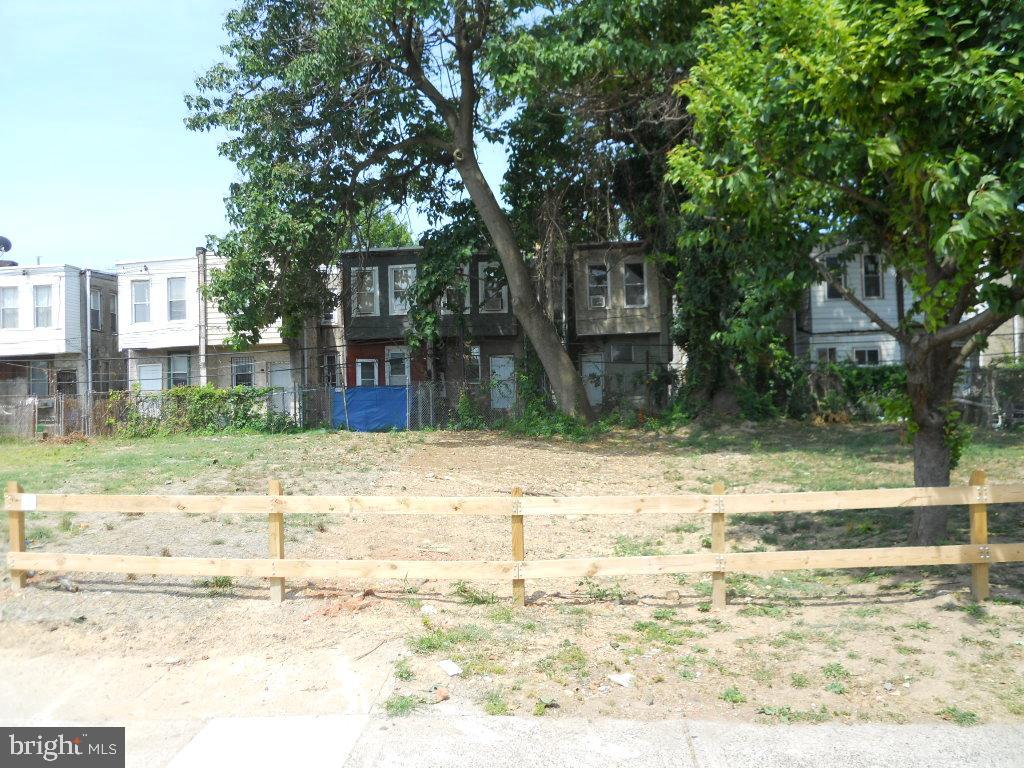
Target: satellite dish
5 244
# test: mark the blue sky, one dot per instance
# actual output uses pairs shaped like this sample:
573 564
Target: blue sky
96 165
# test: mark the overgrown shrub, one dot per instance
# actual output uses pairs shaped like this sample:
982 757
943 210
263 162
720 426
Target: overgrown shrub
200 410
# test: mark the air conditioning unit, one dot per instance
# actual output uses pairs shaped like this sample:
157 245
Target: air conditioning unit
597 302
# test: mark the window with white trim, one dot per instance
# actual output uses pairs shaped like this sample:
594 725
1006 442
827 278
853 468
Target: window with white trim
331 369
597 286
9 307
634 283
472 365
827 355
178 370
872 277
400 280
396 366
42 305
867 356
365 292
837 267
243 371
493 291
140 301
95 309
39 378
177 307
366 373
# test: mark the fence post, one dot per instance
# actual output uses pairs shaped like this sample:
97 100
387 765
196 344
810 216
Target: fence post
718 547
518 545
276 542
979 536
15 529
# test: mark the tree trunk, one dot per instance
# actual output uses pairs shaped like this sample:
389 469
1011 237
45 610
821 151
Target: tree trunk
566 382
930 378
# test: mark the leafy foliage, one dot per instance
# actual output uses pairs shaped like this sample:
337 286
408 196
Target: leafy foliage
198 410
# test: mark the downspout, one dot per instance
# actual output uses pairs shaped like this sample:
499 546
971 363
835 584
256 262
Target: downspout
201 259
1018 337
86 427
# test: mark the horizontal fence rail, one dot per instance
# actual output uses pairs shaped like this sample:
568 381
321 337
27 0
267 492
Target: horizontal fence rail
979 554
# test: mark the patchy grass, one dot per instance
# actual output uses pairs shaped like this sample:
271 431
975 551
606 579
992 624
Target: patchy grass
786 714
495 703
440 640
400 706
403 671
955 714
633 546
218 585
568 661
733 695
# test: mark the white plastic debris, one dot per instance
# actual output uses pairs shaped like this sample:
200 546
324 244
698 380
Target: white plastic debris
625 679
450 667
428 610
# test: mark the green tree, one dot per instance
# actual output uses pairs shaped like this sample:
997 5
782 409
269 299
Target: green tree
893 126
380 102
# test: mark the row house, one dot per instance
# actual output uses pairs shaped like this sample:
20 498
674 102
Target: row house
479 336
829 329
58 331
173 336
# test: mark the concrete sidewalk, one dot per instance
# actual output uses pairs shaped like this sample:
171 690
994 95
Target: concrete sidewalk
467 741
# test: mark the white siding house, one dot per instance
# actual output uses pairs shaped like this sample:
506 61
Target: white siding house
831 329
47 314
174 336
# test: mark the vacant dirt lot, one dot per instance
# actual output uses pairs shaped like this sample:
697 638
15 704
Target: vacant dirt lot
881 645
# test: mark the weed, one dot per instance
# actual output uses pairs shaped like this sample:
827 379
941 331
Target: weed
733 695
218 585
659 633
569 659
907 650
39 534
771 611
690 527
959 716
787 714
216 542
835 671
799 680
402 670
438 639
473 596
837 687
400 706
67 522
597 592
924 626
664 614
632 546
495 703
502 615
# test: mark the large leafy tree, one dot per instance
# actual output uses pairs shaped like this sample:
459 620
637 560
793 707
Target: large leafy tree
381 101
895 126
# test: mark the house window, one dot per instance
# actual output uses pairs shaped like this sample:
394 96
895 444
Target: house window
620 353
364 289
472 365
113 313
837 267
176 307
42 302
67 382
872 278
140 301
243 369
39 379
456 297
331 369
827 355
866 356
8 307
597 286
400 278
493 292
366 373
396 366
178 368
95 310
328 316
635 284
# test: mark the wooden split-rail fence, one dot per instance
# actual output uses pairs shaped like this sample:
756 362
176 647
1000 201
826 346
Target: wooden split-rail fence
979 553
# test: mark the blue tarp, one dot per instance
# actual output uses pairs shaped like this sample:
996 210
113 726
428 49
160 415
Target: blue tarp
371 409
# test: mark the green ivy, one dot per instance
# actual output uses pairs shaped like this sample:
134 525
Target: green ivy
198 410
